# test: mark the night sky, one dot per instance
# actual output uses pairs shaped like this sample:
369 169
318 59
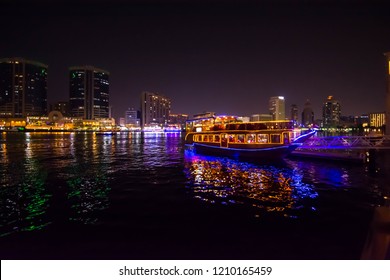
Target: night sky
228 57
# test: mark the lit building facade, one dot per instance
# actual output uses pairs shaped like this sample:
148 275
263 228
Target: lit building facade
89 93
277 108
307 114
132 117
376 120
387 55
23 88
331 112
155 109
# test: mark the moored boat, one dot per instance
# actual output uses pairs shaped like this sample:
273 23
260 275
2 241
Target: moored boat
225 136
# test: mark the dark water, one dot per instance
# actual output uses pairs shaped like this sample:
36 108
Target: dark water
143 196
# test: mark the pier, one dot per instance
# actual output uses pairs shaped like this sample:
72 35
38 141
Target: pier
360 149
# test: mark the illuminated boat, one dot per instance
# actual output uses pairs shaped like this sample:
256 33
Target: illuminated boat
225 136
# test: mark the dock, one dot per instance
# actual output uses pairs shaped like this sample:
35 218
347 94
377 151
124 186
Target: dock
357 149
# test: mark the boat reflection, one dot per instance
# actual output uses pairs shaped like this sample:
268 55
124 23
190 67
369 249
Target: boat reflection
270 188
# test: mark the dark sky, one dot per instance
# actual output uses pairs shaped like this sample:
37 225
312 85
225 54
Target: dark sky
222 56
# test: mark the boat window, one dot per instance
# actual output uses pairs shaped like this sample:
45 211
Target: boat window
251 138
259 126
232 138
216 138
205 138
262 138
275 138
241 126
249 126
240 138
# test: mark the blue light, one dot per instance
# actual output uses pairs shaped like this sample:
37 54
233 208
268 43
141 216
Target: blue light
270 188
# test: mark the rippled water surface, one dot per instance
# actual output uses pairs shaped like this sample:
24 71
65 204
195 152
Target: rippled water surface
144 196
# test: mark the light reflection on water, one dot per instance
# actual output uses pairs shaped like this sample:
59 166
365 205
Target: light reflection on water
268 187
68 177
53 178
25 202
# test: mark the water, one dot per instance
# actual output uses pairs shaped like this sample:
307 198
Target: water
143 196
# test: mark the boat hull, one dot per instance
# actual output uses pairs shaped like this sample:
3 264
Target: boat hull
261 154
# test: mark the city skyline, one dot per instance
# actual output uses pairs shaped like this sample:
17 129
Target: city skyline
225 56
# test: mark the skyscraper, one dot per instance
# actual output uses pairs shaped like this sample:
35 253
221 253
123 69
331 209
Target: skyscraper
155 109
23 88
89 92
277 107
307 114
331 112
387 119
294 113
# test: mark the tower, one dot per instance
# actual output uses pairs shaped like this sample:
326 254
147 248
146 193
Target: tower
89 92
23 88
277 108
307 114
294 113
331 112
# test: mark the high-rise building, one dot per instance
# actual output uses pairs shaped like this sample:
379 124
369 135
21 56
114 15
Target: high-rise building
89 92
294 113
132 117
277 108
387 119
23 88
307 114
331 112
155 109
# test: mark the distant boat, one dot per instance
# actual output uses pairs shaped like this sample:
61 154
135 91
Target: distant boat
105 132
224 136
